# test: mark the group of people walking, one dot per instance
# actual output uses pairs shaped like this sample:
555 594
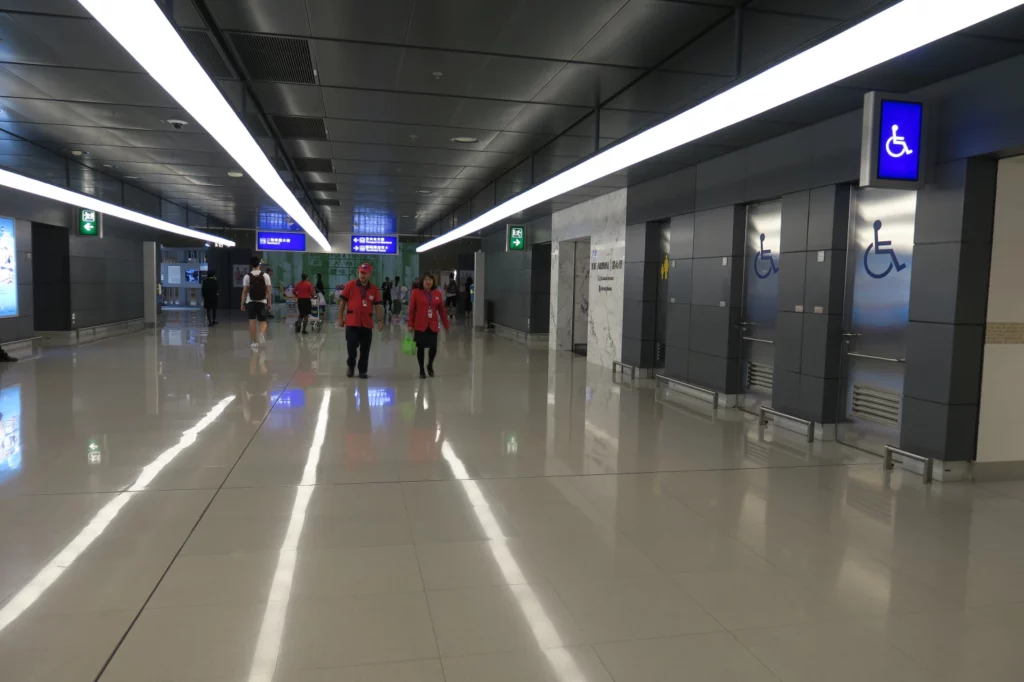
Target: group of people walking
361 307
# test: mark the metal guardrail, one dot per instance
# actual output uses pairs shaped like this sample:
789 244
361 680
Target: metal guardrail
929 463
690 387
620 367
881 358
762 421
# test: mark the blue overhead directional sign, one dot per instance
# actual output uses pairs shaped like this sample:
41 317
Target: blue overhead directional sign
281 241
374 244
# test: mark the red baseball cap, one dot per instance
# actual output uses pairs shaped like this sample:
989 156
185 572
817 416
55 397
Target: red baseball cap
365 267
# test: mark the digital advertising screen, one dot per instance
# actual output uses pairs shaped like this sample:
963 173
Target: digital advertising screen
8 269
281 241
10 432
379 245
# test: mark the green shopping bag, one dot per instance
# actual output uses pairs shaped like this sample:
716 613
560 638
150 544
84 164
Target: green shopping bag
409 345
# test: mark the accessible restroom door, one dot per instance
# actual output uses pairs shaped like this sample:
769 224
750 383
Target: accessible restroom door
875 317
760 303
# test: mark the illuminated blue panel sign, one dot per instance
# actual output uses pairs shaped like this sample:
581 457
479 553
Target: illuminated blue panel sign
276 220
378 245
893 153
899 140
280 241
371 221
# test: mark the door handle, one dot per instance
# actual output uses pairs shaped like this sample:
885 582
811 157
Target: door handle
850 335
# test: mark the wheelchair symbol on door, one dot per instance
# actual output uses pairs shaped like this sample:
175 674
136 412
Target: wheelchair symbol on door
881 249
764 254
897 142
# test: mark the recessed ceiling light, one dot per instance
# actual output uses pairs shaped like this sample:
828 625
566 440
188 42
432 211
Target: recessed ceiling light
423 191
903 27
465 139
78 152
109 165
437 74
131 177
236 174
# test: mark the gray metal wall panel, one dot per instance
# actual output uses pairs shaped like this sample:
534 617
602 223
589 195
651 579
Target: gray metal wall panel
680 230
936 374
680 281
719 232
714 282
795 208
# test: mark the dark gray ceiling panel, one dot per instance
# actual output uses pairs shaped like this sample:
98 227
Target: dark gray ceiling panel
473 75
367 105
261 16
356 65
585 84
665 26
383 21
534 28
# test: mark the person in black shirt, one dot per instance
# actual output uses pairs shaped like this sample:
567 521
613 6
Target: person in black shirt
385 294
211 291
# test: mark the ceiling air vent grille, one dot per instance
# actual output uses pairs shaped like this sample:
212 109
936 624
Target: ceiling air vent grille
760 376
877 405
202 48
273 58
304 165
301 127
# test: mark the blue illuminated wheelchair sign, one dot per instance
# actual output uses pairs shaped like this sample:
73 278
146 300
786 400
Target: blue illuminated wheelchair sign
873 266
765 262
893 153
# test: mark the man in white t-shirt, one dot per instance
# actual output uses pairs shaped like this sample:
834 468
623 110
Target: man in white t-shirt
256 302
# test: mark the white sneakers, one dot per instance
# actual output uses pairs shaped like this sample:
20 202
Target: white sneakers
254 346
263 340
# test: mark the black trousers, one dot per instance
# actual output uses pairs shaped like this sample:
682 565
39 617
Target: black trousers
211 309
359 339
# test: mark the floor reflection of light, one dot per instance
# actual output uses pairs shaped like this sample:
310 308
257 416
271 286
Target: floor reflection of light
67 556
268 646
544 630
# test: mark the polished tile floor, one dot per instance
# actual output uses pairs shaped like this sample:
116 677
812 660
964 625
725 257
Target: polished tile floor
175 507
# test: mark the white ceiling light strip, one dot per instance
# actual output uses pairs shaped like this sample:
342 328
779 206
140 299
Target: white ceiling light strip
143 30
900 29
66 196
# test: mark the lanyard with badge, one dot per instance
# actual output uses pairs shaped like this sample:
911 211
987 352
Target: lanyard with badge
430 306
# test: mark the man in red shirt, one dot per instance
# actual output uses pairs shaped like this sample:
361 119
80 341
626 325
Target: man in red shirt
304 294
360 303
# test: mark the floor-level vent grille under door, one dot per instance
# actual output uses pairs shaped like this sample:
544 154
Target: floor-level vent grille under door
760 376
877 405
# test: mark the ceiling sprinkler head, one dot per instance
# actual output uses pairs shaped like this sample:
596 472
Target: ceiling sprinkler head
177 123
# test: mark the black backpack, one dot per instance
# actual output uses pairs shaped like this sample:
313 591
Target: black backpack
257 287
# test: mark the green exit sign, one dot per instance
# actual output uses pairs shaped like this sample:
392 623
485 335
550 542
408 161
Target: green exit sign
516 238
88 223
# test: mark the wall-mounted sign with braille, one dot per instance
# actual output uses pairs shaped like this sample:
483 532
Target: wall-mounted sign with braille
893 148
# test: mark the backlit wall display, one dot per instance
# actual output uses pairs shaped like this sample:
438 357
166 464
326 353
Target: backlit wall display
378 245
10 432
8 269
281 241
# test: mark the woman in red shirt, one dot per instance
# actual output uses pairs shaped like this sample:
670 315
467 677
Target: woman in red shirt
426 307
304 299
